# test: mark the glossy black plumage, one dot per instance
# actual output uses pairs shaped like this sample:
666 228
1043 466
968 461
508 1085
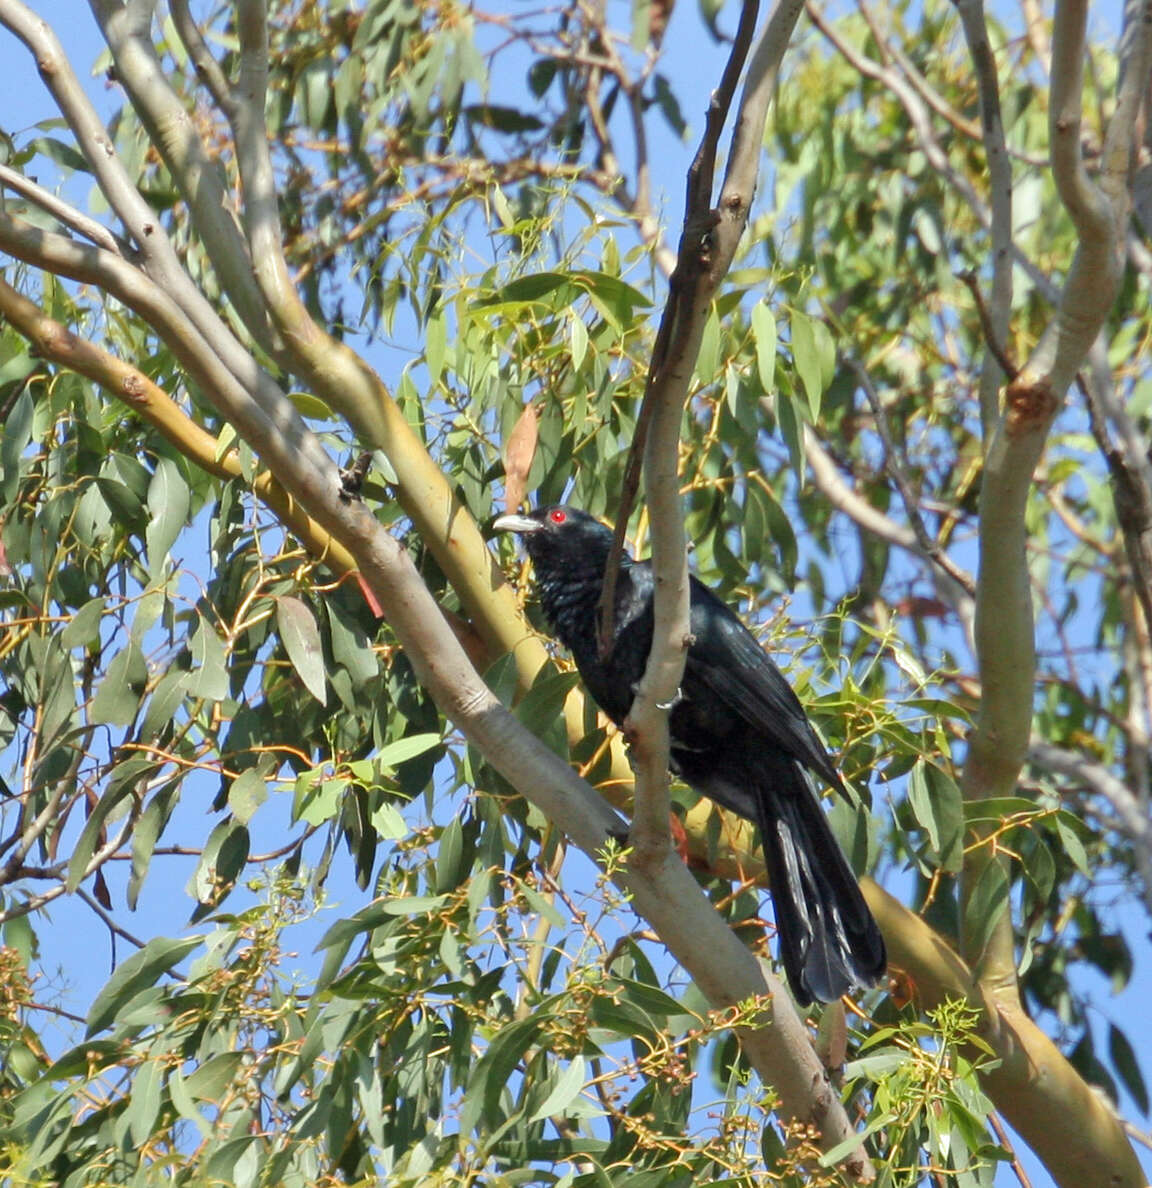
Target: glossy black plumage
739 735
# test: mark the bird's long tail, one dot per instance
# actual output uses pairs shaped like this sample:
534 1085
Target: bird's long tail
829 941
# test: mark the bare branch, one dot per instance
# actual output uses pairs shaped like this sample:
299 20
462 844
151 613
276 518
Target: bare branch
208 70
1000 181
1004 623
126 28
829 482
1131 815
927 546
261 406
992 338
62 211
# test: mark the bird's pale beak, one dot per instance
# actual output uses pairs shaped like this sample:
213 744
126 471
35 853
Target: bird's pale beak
514 523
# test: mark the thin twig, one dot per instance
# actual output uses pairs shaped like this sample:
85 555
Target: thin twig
991 340
108 919
1000 187
64 212
928 545
202 58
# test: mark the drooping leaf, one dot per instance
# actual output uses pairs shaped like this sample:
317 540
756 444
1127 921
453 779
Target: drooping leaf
301 638
139 972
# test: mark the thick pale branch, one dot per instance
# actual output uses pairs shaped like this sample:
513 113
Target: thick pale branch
700 266
208 70
57 344
1031 1083
141 224
127 30
262 403
1004 624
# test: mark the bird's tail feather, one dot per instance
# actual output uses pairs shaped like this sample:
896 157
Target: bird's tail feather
829 941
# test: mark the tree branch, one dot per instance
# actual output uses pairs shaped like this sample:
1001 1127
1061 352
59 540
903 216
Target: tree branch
1000 182
1131 815
123 381
126 28
1004 625
1032 1083
62 211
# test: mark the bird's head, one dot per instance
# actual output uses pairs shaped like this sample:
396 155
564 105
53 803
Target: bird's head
560 536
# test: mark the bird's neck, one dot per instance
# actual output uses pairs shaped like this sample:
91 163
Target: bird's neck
570 598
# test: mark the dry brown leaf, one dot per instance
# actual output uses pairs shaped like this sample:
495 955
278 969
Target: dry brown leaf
519 450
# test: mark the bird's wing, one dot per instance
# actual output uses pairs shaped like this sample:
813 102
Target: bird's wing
727 662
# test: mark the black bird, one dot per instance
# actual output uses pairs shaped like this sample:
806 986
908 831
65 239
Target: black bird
739 736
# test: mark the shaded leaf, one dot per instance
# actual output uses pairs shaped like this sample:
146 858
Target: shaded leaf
139 972
301 637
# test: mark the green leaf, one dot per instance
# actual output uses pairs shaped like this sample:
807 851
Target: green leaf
16 434
939 807
450 870
351 647
765 334
435 346
117 699
144 1106
502 119
375 914
208 1082
248 791
84 629
168 501
806 356
223 858
301 636
139 972
127 776
1073 846
577 340
210 679
833 1156
492 1071
316 799
185 1104
989 901
1127 1066
311 407
60 152
403 749
564 1092
708 360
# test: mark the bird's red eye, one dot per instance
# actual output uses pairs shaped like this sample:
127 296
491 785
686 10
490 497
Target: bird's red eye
557 516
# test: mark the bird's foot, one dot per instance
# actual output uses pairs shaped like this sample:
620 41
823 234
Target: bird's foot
666 706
